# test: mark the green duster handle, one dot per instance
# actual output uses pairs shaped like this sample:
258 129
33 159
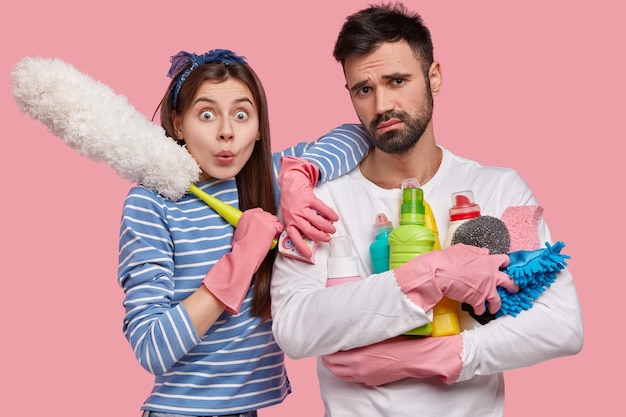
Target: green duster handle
228 212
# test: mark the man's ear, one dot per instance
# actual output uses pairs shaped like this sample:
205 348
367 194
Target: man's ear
434 77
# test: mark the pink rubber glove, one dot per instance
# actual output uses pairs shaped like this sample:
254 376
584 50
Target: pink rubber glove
398 358
460 272
303 213
230 278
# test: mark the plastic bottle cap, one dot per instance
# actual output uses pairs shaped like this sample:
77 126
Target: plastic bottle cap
462 200
342 262
412 208
463 206
382 224
410 183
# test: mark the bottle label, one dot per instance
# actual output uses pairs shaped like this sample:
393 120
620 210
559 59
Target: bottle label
331 282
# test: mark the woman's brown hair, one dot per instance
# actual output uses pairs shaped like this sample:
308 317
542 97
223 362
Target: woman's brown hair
255 183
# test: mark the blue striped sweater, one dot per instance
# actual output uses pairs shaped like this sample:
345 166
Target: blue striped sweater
166 249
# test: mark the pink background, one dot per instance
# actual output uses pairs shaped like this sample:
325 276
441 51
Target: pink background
533 85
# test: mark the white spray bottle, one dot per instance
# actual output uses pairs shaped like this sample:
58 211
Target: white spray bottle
342 264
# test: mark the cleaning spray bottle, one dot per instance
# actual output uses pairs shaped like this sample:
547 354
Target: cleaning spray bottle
379 248
342 265
411 238
463 209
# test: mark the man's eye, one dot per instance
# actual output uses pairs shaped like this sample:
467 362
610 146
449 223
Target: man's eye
207 115
398 81
364 90
241 115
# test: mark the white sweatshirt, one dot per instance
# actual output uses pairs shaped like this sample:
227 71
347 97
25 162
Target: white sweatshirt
312 320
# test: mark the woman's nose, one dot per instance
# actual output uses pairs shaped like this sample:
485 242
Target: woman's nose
226 130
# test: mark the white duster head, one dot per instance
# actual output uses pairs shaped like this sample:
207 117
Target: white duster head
101 125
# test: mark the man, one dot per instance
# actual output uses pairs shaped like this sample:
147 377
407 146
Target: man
366 366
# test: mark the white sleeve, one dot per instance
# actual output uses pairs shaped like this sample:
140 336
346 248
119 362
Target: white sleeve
310 319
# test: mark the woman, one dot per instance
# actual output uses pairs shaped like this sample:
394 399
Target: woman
196 289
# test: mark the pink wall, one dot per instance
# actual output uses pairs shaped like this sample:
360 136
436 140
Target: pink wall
534 85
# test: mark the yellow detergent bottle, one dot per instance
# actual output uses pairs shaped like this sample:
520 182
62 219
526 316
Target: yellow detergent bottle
445 312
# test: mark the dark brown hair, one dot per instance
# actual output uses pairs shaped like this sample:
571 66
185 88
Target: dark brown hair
255 183
367 29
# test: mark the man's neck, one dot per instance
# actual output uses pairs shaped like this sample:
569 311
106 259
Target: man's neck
388 170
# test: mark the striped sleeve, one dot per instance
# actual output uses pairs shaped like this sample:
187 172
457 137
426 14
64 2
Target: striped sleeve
336 153
159 331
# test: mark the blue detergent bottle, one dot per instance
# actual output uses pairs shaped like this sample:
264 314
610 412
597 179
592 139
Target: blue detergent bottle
379 248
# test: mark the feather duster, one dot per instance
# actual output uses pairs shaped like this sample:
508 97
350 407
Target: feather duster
101 125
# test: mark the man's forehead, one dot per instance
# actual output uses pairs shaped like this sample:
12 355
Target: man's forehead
389 60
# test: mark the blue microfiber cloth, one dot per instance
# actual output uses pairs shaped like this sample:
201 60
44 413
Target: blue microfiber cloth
533 271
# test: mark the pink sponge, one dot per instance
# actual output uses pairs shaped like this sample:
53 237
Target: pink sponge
522 222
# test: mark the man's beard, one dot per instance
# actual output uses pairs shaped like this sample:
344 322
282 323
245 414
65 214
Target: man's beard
400 141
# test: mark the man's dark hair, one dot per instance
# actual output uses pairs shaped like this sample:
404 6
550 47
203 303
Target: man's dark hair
365 30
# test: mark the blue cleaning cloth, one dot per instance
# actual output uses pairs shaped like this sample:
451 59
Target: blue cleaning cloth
533 271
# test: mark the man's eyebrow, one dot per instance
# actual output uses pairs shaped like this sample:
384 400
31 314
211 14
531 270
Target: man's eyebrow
397 75
358 86
393 76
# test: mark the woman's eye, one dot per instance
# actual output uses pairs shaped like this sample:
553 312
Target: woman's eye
207 115
241 115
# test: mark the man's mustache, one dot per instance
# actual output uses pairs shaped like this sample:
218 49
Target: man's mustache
388 116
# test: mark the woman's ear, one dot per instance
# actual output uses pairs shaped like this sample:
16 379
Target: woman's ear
177 122
435 78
